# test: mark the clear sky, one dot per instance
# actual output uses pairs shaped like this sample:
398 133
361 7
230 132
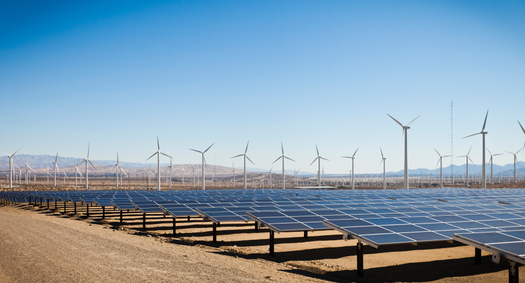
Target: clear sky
120 73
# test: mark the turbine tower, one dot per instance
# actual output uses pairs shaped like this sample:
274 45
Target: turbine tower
11 167
283 157
466 164
86 160
318 159
440 162
383 160
482 133
245 157
203 165
352 157
158 153
515 161
55 170
405 129
491 161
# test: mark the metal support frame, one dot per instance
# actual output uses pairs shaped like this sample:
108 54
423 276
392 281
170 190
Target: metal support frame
477 256
75 205
56 205
359 259
174 226
47 200
272 243
121 216
256 226
40 202
65 210
188 218
144 220
103 212
306 234
87 209
514 272
214 232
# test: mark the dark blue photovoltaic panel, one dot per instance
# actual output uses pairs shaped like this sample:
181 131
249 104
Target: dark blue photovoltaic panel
386 221
403 228
498 223
366 230
291 226
266 214
425 236
491 237
385 239
438 226
504 216
470 225
517 248
301 212
449 219
450 233
308 218
350 223
316 225
418 220
274 220
478 217
518 234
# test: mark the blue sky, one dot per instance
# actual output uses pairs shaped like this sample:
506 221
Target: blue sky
118 74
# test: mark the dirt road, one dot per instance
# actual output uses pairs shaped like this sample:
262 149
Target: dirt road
38 247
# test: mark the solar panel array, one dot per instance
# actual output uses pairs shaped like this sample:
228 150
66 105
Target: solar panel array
510 244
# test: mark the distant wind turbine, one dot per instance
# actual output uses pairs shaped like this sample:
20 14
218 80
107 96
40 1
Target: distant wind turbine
193 174
119 171
270 173
318 159
245 157
440 162
405 132
467 158
158 153
233 172
55 170
283 157
523 132
77 172
86 160
11 167
515 161
352 157
203 165
383 160
491 161
482 133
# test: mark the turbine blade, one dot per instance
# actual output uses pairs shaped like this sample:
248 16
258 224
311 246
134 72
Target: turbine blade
88 150
237 155
246 150
324 158
249 159
282 147
395 120
278 159
471 135
17 151
485 122
469 150
91 164
165 155
313 161
317 149
158 143
355 152
209 147
151 156
413 120
521 127
437 152
195 150
382 156
289 158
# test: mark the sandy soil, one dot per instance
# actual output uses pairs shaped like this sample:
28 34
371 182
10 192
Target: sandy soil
42 245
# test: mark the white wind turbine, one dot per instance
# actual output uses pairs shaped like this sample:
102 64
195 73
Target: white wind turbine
383 161
86 160
405 132
283 157
65 177
270 173
158 153
491 161
482 133
203 165
440 161
523 132
515 161
352 157
466 164
48 174
245 157
171 170
119 171
77 172
318 159
193 174
55 170
11 167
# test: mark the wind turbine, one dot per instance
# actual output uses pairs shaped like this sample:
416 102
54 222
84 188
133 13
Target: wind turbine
318 159
171 170
491 161
118 169
440 161
203 165
11 167
245 157
466 164
283 157
77 172
515 161
523 132
65 177
482 133
86 160
383 160
405 132
158 153
352 157
55 170
233 172
193 174
270 173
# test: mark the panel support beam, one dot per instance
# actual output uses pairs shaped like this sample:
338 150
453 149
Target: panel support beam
514 272
144 220
477 256
214 232
174 226
272 242
359 259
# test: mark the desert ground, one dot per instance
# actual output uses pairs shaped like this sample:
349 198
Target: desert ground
43 245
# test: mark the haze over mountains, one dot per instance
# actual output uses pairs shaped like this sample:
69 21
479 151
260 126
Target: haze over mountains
46 161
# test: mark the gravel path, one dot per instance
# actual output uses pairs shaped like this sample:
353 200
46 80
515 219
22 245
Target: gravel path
38 247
